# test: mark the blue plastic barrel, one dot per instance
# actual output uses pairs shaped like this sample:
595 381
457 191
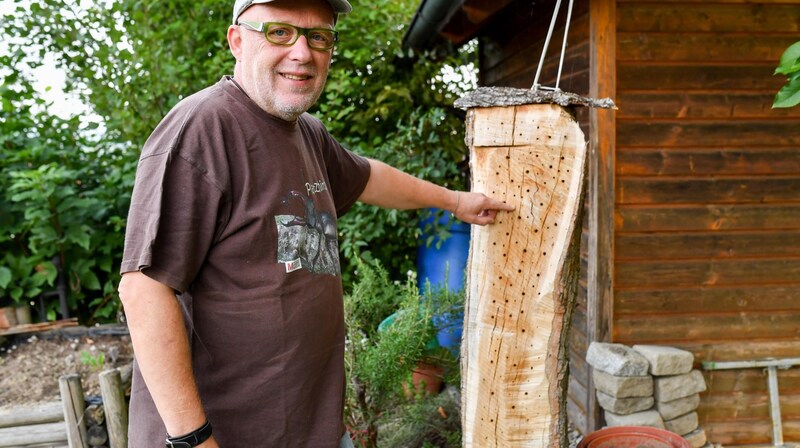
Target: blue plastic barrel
444 267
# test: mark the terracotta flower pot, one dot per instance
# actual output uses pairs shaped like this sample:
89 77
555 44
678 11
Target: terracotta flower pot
633 437
425 378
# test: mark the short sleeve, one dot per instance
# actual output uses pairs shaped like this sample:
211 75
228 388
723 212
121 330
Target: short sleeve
347 171
172 221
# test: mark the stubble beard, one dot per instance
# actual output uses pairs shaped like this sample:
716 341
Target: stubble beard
271 99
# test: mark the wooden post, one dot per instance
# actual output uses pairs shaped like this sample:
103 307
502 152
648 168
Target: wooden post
74 406
522 275
115 407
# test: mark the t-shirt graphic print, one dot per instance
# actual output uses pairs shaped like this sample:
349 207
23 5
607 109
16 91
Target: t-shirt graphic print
307 236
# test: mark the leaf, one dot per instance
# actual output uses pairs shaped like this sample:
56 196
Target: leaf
5 277
90 280
788 96
79 235
790 60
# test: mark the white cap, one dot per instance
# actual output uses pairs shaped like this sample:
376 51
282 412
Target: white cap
339 7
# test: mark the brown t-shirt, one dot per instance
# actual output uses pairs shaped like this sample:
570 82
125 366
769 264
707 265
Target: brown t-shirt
236 210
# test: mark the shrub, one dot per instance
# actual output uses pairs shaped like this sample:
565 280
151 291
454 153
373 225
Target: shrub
378 363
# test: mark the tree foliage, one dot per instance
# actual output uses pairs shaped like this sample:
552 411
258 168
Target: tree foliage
66 182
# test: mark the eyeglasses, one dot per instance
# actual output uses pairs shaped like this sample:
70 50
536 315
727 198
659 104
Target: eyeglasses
286 35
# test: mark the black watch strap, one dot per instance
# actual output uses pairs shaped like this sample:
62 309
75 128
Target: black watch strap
192 439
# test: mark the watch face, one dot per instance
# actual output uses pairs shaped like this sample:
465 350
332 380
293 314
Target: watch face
178 444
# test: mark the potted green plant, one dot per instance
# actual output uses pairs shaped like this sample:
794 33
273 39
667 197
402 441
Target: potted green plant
380 361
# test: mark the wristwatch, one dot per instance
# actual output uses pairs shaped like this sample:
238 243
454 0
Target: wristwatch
192 439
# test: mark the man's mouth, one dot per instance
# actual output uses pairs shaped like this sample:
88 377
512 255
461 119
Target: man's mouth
293 77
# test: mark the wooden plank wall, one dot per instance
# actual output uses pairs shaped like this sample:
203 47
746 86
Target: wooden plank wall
707 233
509 54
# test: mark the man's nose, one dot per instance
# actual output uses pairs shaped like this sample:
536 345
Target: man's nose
300 49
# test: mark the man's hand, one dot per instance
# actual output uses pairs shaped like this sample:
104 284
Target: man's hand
477 208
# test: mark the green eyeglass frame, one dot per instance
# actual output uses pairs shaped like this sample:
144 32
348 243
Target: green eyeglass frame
285 34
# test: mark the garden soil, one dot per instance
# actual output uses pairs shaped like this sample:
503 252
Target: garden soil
31 364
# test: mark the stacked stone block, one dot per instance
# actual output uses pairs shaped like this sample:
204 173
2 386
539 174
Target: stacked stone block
648 385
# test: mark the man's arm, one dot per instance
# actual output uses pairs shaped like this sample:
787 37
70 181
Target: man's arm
391 188
161 346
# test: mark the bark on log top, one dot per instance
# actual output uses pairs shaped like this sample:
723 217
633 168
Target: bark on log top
509 96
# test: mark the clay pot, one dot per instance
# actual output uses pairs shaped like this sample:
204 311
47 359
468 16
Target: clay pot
425 377
633 437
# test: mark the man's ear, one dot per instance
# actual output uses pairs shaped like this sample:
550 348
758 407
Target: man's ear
235 41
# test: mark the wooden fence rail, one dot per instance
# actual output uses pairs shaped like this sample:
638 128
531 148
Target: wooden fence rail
63 424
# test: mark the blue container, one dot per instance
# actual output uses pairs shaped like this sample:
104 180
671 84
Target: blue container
444 267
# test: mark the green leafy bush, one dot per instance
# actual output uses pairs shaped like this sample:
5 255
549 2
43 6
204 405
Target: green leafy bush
61 205
789 95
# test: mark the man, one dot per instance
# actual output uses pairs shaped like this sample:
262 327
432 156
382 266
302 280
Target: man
234 207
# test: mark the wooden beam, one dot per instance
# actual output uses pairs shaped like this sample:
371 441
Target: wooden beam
45 433
602 139
49 412
470 19
40 327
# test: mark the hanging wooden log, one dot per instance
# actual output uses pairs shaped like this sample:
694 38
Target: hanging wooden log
522 276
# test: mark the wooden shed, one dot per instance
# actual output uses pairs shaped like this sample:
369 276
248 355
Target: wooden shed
691 229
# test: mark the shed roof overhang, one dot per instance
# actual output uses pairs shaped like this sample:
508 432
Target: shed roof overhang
453 21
